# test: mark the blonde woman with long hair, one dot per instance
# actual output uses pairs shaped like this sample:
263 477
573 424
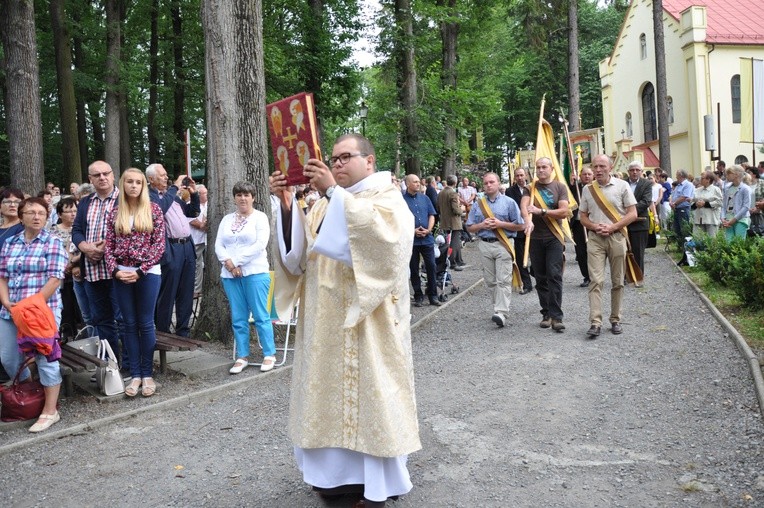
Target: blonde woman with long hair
134 245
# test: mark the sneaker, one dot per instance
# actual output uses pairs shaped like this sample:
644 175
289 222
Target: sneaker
557 325
45 422
498 319
546 322
584 284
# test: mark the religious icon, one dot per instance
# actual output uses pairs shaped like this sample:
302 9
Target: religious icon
276 122
283 155
303 154
298 117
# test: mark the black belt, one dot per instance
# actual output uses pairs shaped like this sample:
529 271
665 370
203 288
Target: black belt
180 240
489 240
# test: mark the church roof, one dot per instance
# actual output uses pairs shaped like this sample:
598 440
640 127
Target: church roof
651 160
729 21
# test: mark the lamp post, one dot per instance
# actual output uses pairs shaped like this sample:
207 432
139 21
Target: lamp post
364 113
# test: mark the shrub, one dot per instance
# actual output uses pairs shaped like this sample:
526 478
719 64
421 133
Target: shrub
738 264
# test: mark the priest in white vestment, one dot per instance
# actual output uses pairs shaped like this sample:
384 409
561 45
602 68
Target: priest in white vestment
352 416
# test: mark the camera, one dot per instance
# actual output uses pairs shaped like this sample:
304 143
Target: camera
187 181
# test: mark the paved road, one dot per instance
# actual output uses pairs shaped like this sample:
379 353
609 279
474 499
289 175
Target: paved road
663 415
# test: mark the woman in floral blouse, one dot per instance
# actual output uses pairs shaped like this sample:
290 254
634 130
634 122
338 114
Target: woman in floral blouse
134 245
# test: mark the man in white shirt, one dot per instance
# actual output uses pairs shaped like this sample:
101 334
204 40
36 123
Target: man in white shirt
199 237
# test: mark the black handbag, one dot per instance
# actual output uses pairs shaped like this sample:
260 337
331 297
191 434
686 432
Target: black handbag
22 400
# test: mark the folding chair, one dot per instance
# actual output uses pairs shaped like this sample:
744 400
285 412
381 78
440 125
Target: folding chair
289 323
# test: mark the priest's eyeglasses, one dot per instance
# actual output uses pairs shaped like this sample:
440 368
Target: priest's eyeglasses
343 158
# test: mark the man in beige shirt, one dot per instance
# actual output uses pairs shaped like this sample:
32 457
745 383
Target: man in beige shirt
606 242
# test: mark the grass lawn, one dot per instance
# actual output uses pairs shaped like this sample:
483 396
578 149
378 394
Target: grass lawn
750 324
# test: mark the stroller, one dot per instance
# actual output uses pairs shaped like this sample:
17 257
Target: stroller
442 266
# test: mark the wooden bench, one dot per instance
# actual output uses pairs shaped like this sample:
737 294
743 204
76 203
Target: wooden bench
169 342
75 360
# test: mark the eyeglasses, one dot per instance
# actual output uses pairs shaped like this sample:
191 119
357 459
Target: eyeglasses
35 214
344 158
11 202
102 173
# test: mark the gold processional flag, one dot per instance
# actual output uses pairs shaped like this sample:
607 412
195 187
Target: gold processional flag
545 148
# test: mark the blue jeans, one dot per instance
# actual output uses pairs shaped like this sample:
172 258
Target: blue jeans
137 303
82 301
681 217
250 295
12 359
428 256
104 312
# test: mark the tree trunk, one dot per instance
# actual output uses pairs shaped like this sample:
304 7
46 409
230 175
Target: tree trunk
449 32
237 144
22 99
82 129
574 93
407 86
151 128
113 50
125 157
67 106
99 148
178 85
664 143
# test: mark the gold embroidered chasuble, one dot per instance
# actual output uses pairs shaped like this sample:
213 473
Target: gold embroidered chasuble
353 380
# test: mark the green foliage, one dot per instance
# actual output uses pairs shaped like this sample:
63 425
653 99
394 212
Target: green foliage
738 264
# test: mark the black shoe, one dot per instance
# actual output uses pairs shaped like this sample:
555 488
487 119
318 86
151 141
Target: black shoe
458 268
418 301
594 331
434 302
616 329
584 284
525 291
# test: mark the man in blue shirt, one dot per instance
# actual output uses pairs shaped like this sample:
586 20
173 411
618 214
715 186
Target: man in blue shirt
681 200
424 243
497 260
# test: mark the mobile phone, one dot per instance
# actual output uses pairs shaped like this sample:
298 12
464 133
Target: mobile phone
187 181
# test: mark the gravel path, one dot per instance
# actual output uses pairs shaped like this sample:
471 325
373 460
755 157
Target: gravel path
663 415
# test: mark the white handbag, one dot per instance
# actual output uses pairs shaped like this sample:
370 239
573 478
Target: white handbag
108 377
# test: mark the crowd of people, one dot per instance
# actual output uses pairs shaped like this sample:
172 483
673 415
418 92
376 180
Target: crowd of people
122 259
351 246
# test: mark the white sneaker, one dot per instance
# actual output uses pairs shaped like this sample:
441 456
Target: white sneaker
498 319
239 366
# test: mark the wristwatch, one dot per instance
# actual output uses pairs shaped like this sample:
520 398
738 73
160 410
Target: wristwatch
329 191
543 211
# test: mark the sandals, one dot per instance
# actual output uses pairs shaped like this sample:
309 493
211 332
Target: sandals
131 390
149 387
44 422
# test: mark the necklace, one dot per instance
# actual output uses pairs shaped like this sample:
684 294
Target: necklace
239 222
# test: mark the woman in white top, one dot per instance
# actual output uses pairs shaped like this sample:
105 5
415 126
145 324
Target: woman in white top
706 205
241 248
